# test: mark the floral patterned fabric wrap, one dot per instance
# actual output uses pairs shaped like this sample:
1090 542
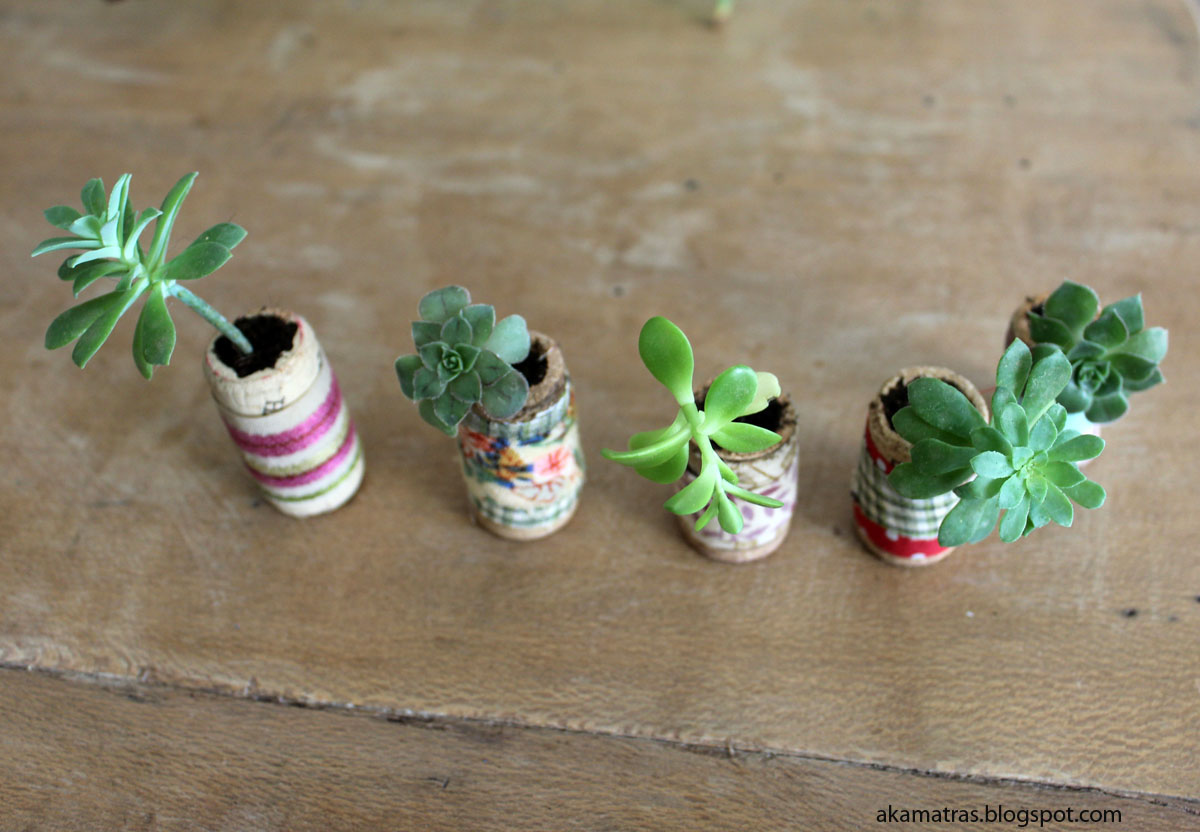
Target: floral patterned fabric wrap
524 475
773 475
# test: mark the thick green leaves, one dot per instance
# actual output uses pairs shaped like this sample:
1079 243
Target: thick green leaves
1013 424
743 438
61 216
93 197
466 387
156 330
912 427
768 388
1149 344
425 332
427 384
170 210
695 495
1072 303
1108 330
991 464
651 448
406 369
97 333
987 438
482 319
196 261
60 243
933 457
944 407
1057 506
667 354
427 411
1087 493
440 305
450 409
1013 369
509 339
1046 380
504 397
1011 492
911 483
227 234
74 322
1077 449
969 521
1154 378
1130 312
490 367
729 396
1049 331
456 331
668 471
1013 524
1107 408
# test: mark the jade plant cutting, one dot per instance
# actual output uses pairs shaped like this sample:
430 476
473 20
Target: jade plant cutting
108 231
662 455
1112 354
464 356
1022 463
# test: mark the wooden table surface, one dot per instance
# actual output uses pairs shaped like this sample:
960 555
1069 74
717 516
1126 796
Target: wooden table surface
829 189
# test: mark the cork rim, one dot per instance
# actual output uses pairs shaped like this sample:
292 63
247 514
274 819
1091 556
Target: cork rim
1018 324
544 394
288 360
890 444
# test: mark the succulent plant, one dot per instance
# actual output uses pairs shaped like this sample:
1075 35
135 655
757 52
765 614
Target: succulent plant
662 455
108 232
1023 462
1111 355
464 356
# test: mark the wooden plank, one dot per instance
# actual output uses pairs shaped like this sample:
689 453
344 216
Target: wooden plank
826 190
83 756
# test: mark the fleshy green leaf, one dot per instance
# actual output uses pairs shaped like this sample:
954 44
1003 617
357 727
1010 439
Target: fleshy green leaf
157 329
1131 367
1154 378
504 397
1074 398
912 427
74 322
427 384
911 483
1088 494
89 273
695 495
1043 435
139 359
456 331
228 234
450 409
991 464
944 407
425 332
650 448
961 524
1048 331
426 409
1107 408
1011 493
431 354
95 254
93 197
729 396
509 339
1062 474
933 457
129 252
97 333
469 354
1046 380
406 369
734 490
743 438
86 226
1150 344
1130 312
490 367
1057 506
728 514
669 471
768 388
667 354
117 199
1072 303
1013 524
60 243
1077 449
197 260
441 305
1014 424
170 210
981 488
705 518
482 319
987 438
1013 369
61 216
1037 486
466 387
1108 330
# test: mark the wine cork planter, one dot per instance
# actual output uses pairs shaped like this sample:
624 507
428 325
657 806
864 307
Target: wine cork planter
772 473
523 474
288 419
900 530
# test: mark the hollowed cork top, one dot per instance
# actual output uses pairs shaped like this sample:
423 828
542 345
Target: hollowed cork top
894 447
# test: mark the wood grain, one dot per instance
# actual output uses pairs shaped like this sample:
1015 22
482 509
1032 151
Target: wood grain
150 758
826 190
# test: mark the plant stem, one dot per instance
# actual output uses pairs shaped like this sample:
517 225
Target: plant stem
213 317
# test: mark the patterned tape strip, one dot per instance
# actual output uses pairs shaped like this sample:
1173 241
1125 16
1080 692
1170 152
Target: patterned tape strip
525 474
904 527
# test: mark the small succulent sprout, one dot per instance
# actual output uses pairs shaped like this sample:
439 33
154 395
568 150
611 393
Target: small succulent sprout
464 357
1022 463
108 232
662 455
1112 353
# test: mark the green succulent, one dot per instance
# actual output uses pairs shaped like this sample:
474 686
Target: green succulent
662 455
107 231
1111 355
1023 462
464 356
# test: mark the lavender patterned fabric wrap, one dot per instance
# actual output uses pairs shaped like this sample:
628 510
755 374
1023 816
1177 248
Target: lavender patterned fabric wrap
773 475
